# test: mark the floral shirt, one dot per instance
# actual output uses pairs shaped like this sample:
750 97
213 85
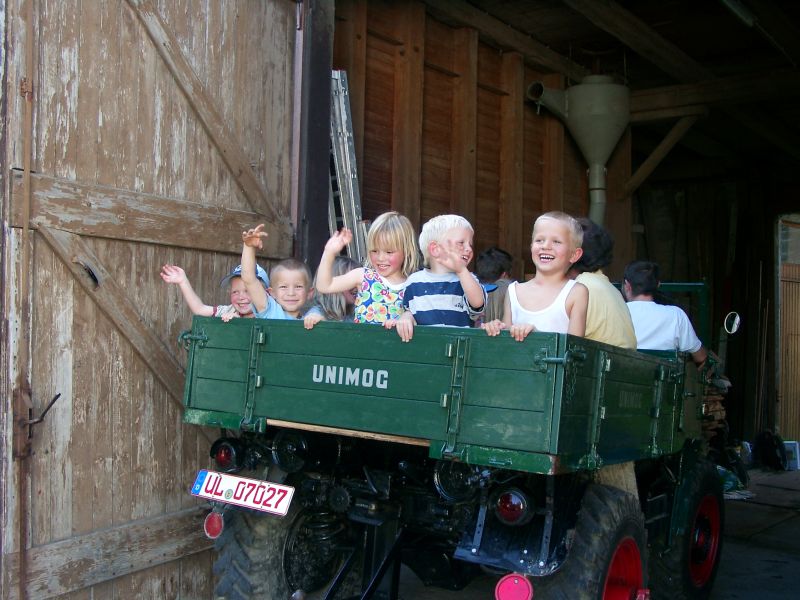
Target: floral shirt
378 301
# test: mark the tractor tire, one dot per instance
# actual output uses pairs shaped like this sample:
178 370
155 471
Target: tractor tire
607 557
269 558
686 571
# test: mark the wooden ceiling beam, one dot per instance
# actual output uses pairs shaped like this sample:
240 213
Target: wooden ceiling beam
534 53
640 37
777 28
645 41
649 165
739 89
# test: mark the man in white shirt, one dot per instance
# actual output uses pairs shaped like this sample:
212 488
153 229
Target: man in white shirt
657 326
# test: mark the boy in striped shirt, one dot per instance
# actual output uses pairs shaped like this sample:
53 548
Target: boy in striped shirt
445 292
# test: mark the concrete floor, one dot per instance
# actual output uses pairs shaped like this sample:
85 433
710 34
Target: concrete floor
760 553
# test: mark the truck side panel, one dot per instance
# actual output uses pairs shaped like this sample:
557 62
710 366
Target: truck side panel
553 402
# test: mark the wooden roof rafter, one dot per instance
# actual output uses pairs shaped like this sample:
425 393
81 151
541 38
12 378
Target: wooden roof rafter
505 36
645 41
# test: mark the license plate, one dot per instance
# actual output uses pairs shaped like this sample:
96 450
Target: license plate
250 493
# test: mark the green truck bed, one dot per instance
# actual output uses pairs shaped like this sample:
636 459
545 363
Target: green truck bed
551 404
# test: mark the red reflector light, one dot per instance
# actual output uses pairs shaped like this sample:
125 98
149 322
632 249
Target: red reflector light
213 525
512 507
224 456
513 587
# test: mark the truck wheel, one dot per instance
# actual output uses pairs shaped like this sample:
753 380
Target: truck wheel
269 558
687 570
606 560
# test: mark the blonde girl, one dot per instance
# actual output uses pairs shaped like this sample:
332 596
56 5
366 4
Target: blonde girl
333 307
393 256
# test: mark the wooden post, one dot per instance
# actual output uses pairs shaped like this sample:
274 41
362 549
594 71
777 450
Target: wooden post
407 126
464 123
351 55
315 119
553 154
512 148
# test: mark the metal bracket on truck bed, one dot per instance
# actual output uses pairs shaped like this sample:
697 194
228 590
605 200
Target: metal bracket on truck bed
542 360
258 338
458 352
593 460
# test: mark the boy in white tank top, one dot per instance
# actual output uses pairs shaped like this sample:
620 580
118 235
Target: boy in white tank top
550 301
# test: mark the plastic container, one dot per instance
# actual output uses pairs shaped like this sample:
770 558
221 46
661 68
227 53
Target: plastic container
792 455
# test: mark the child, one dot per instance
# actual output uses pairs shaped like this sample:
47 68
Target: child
607 318
267 307
240 306
445 292
393 256
493 266
291 286
550 301
334 307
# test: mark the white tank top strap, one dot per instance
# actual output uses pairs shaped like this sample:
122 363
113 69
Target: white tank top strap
552 318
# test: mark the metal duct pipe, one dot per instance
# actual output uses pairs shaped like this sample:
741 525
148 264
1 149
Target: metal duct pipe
596 112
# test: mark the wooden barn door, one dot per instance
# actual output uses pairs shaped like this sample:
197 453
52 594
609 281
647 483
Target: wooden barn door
155 132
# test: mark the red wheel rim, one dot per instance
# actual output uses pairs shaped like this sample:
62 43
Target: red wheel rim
625 576
704 541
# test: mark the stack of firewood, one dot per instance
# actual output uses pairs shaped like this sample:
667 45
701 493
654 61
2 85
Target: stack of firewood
714 411
714 391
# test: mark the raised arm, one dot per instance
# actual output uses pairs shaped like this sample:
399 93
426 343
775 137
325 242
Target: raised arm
252 239
176 275
452 259
326 282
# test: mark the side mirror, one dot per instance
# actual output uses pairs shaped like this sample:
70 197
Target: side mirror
732 322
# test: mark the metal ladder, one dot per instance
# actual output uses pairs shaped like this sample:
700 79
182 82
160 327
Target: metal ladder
344 204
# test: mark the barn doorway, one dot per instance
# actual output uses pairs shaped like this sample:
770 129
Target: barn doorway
788 376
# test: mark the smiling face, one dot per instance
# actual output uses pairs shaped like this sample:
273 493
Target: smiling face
459 240
240 299
552 248
387 261
290 288
455 246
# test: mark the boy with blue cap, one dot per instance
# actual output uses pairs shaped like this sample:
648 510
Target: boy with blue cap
240 305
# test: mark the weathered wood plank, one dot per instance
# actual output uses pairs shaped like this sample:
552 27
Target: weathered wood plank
464 123
196 578
87 357
52 360
126 215
89 271
66 117
195 93
121 98
512 124
367 435
85 560
407 125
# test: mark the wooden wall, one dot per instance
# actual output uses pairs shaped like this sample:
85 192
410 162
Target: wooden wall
159 131
442 125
